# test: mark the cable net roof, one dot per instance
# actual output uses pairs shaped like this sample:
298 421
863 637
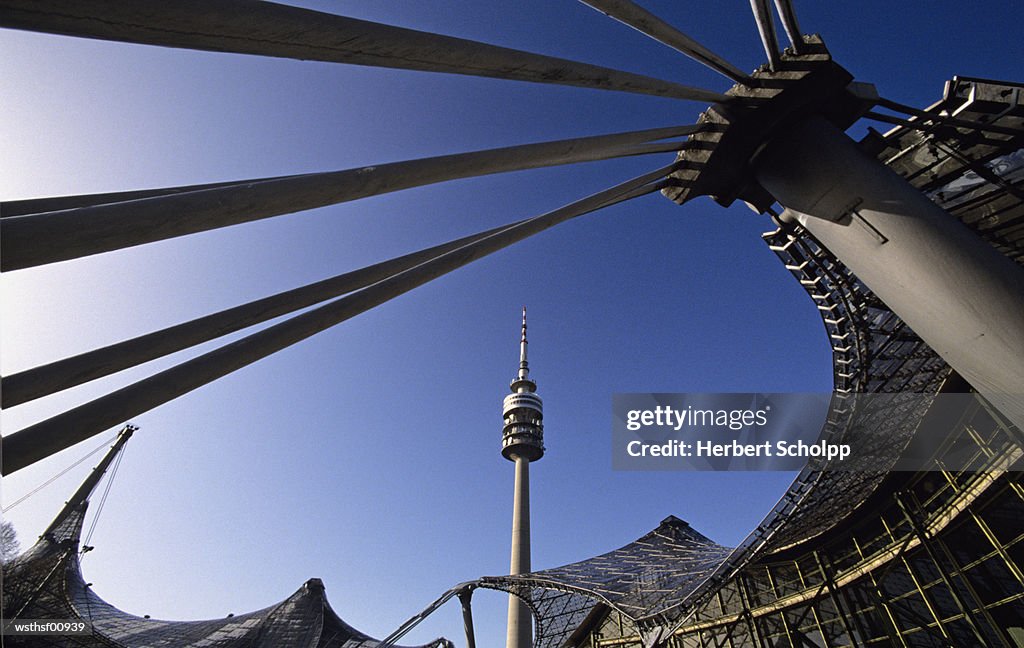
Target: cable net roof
976 176
642 579
46 583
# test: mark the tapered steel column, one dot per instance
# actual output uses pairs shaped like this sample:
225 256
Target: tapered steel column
632 14
271 29
37 239
766 28
46 379
520 622
84 491
466 599
28 445
957 292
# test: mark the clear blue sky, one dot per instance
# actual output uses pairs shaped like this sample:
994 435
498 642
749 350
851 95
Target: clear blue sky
369 455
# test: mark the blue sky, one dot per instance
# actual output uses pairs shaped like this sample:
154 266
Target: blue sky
369 455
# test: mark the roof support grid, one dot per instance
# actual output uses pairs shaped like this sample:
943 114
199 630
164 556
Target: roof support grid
905 506
979 604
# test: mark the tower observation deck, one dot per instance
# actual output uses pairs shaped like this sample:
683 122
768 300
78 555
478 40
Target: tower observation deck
523 412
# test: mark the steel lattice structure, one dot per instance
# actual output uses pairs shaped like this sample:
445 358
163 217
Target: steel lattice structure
873 352
841 558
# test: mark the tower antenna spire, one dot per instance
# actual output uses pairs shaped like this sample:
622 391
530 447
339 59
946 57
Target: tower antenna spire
524 366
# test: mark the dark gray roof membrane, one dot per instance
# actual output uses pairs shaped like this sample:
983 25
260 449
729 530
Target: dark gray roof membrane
46 582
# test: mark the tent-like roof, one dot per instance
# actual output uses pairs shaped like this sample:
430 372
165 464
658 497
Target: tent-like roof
641 579
46 582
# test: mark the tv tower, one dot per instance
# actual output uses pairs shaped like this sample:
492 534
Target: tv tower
522 441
